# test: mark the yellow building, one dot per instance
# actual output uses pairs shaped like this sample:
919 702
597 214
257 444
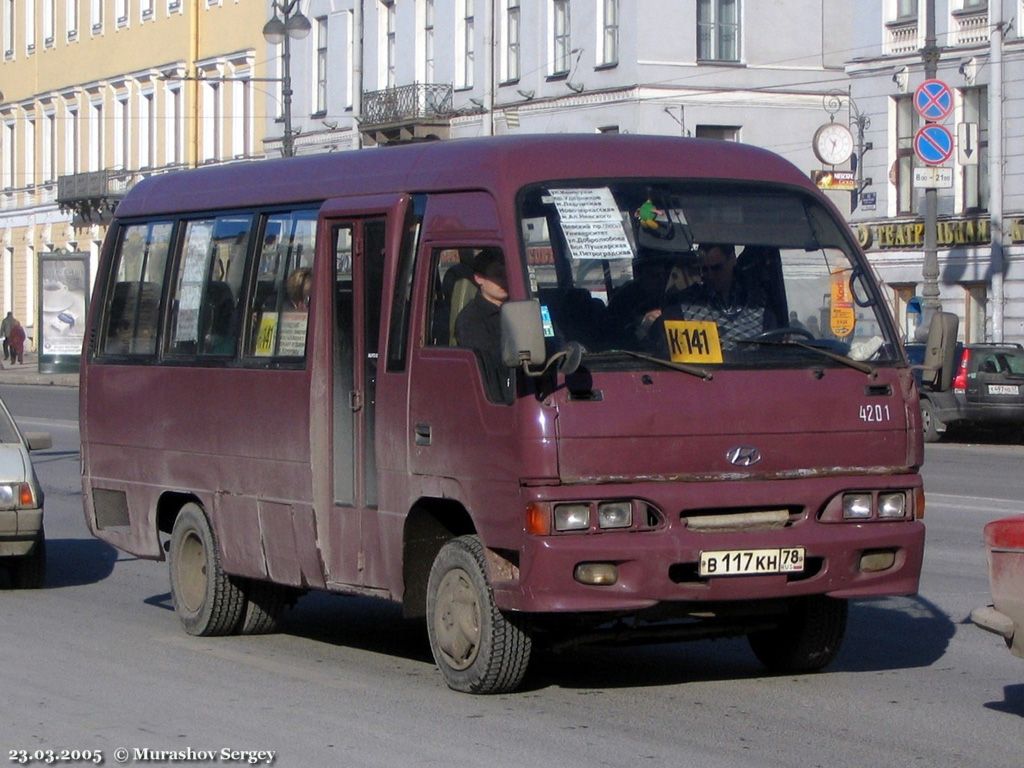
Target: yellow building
97 94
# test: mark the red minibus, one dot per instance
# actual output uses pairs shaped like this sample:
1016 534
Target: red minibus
689 415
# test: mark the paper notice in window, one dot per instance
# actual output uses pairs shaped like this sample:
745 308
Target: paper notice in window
292 330
592 223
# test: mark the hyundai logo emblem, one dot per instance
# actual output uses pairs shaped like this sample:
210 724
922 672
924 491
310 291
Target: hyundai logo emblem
743 455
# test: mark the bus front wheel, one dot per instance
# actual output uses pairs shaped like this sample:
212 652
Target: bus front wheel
206 599
806 639
477 648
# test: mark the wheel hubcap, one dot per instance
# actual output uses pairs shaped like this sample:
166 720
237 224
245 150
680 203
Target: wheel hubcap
457 619
192 572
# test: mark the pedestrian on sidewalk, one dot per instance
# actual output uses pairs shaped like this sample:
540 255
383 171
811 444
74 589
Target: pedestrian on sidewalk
5 332
16 342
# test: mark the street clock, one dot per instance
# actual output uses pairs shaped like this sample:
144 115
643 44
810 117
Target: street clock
833 143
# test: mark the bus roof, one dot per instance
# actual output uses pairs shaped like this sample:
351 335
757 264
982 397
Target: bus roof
502 164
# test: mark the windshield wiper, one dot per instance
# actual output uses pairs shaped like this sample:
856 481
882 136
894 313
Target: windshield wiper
693 370
843 359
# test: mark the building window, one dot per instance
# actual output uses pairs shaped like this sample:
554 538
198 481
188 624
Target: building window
173 128
10 157
320 95
8 22
906 10
122 133
96 138
72 160
428 41
389 44
30 154
121 13
975 174
212 134
49 21
96 15
466 40
512 15
560 34
146 9
907 123
49 149
610 31
147 128
718 27
30 26
720 132
71 18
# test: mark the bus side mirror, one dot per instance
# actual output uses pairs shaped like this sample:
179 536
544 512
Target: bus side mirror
522 334
940 351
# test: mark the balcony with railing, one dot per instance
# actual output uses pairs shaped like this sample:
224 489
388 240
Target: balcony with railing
407 113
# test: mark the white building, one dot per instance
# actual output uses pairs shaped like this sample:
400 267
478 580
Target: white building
980 230
755 72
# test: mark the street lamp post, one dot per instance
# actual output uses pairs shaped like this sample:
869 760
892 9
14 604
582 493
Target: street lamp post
293 25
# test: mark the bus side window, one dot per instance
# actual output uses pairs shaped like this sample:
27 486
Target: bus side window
205 317
133 313
278 313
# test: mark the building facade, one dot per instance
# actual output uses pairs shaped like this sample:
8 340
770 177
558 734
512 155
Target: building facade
979 189
97 94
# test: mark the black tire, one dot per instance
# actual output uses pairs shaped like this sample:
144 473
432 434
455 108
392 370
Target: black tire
477 648
806 640
206 599
930 425
29 571
264 604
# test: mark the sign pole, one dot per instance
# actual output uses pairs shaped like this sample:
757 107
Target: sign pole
930 270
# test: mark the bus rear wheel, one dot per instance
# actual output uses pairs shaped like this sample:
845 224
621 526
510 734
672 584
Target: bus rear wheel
208 601
477 648
806 639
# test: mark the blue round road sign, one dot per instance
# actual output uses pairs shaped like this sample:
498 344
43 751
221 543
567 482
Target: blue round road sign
933 144
933 100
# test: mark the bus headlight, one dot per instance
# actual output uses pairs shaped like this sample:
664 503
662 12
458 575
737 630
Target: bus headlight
857 506
572 517
615 514
892 506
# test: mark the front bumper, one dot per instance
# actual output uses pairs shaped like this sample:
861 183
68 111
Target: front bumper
19 531
658 567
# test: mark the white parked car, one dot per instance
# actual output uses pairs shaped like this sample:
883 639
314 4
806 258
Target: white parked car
22 542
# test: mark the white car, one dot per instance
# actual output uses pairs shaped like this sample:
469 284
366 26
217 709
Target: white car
22 543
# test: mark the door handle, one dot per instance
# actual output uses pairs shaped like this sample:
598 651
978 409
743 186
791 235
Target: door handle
422 432
355 400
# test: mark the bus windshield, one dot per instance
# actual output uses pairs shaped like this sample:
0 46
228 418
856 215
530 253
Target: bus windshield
732 274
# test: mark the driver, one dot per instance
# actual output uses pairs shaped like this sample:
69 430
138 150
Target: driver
737 307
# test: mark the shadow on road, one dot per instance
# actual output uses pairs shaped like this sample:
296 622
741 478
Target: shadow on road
74 562
876 640
1013 701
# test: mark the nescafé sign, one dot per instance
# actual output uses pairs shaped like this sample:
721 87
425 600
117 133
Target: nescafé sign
949 233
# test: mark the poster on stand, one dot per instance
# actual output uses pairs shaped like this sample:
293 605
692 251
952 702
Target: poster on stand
63 303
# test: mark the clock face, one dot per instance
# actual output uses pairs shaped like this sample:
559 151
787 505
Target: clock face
833 143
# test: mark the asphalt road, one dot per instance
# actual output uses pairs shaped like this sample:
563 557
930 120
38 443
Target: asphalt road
98 661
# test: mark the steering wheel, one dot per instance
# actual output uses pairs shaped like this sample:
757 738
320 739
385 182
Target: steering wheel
786 330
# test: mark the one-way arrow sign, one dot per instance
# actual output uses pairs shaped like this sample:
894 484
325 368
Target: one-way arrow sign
967 143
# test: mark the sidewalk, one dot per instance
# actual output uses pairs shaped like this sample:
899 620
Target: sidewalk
28 373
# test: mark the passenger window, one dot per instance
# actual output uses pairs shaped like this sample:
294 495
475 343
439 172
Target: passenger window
132 317
284 281
453 289
205 316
